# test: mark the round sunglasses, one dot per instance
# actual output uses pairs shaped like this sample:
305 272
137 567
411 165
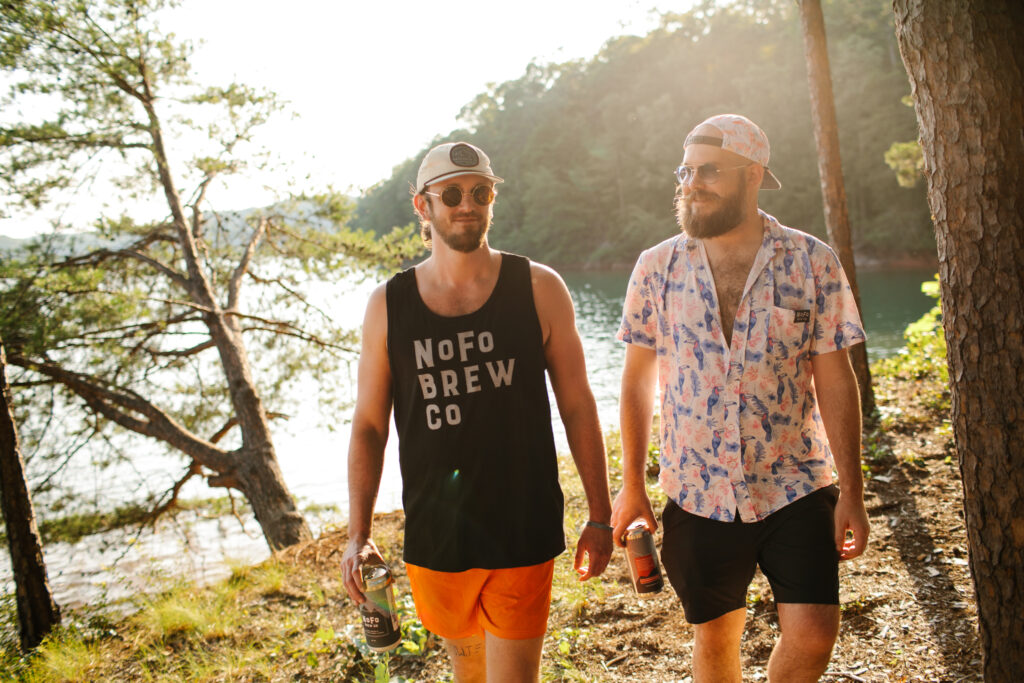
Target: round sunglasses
706 173
452 195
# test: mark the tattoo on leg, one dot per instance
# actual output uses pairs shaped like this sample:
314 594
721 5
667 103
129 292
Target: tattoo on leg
467 650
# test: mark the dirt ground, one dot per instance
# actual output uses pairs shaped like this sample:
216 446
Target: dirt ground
908 612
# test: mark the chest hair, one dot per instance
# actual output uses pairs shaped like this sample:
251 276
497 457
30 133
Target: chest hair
451 301
730 278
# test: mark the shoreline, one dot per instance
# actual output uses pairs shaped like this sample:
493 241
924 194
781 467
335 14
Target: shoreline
866 262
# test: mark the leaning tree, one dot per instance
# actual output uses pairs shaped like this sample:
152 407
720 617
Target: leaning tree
966 70
150 327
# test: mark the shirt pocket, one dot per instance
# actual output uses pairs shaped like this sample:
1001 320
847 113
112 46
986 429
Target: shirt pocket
789 332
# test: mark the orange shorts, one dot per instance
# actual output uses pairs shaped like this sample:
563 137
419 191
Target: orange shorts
509 603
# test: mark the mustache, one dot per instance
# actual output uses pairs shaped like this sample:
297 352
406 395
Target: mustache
698 195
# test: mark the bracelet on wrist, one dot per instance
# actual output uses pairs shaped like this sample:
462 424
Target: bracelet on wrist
599 525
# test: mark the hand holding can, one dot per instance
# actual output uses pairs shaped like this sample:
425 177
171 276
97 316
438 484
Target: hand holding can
642 556
379 612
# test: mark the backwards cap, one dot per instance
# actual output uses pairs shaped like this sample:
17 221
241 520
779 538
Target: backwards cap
741 136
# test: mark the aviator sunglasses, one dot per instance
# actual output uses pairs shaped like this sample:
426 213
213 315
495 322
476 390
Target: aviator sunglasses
452 195
707 173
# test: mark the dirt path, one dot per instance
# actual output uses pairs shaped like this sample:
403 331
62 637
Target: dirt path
908 608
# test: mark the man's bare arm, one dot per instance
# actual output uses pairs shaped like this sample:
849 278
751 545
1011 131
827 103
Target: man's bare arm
636 413
835 387
370 423
563 352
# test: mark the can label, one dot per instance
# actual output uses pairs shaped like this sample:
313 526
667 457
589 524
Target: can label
644 569
379 611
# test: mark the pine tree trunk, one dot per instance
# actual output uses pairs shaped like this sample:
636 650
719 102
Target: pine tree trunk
966 70
37 612
830 170
256 472
259 478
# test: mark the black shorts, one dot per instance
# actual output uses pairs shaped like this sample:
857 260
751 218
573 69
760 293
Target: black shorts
711 563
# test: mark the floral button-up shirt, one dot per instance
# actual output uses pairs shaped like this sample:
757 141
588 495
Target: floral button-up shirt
740 428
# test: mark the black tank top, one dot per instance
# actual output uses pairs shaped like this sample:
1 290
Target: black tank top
479 472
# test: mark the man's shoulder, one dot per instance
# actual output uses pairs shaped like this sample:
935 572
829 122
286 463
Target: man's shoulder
542 276
658 257
798 240
401 275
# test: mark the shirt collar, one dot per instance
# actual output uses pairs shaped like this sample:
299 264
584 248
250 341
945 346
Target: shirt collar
774 237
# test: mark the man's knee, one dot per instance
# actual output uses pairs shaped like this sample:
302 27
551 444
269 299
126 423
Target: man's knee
722 633
468 658
812 628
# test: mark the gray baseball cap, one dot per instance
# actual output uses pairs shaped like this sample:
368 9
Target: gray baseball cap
453 159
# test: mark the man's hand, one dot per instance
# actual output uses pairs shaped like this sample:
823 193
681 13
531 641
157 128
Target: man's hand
593 552
851 516
629 506
356 555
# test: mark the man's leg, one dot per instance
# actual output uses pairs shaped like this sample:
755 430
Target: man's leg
710 564
802 566
514 606
515 661
805 647
468 658
716 648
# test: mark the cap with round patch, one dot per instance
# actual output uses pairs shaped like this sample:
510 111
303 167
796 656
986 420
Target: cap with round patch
464 155
453 159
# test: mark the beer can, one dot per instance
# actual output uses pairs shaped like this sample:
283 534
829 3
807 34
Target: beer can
379 612
643 559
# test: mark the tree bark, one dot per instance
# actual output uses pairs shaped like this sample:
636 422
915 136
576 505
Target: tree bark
37 611
966 72
830 171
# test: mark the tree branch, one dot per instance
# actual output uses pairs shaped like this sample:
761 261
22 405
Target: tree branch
194 468
297 295
116 404
233 422
281 328
235 285
133 251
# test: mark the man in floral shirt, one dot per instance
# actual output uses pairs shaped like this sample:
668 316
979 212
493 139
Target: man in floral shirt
745 324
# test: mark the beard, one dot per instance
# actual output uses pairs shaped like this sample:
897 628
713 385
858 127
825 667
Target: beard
714 222
468 237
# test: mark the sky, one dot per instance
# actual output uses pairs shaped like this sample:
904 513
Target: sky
369 83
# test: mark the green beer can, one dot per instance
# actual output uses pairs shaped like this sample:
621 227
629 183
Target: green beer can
379 613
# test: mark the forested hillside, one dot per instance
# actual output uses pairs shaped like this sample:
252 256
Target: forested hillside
588 147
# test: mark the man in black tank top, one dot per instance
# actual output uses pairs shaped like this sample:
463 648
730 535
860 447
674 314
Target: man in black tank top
458 347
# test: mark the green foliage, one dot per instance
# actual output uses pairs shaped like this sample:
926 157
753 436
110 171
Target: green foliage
71 528
12 663
93 70
560 665
906 159
588 147
925 353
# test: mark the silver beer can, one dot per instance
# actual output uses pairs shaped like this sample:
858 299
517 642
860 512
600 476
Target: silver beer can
643 559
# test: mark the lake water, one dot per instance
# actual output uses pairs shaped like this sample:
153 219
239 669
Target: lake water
313 458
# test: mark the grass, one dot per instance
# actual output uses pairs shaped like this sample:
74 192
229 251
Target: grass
68 658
